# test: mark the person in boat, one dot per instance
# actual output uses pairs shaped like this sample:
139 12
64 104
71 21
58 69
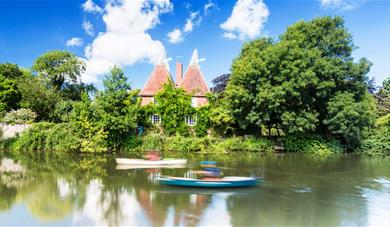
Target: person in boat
210 170
153 156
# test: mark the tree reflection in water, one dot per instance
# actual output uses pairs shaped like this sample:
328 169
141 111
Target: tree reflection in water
87 190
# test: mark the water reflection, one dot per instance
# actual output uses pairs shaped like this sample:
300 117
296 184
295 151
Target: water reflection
296 191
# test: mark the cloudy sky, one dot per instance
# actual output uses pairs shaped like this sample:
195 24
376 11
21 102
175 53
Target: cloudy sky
133 33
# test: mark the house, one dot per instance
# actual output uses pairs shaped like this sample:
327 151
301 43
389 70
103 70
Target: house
192 82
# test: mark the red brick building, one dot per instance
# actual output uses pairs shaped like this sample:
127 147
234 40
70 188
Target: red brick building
192 82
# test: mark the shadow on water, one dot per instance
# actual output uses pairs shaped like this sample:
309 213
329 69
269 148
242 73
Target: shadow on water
63 189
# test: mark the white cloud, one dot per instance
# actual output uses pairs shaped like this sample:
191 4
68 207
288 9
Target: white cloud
125 41
193 19
88 28
341 4
208 7
247 20
175 36
91 7
74 42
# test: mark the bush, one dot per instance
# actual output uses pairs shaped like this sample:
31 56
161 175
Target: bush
152 141
377 141
1 133
186 144
20 116
312 144
63 137
242 144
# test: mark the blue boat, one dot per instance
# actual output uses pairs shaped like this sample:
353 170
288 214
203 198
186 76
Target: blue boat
225 182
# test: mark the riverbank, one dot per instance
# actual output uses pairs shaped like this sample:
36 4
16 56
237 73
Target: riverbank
66 137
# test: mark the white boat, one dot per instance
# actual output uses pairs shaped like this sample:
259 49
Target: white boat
128 161
125 167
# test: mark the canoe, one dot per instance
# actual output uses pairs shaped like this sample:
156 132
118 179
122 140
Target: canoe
124 167
225 182
127 161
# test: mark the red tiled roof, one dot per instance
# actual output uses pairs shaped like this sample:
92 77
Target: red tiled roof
193 81
159 76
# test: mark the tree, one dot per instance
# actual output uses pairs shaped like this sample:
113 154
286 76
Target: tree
220 83
59 67
347 117
173 106
38 97
9 93
383 98
287 84
117 107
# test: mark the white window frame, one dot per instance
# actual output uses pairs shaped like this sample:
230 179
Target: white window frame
155 119
155 101
194 102
191 120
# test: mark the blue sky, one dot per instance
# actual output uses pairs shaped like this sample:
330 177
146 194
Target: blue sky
133 33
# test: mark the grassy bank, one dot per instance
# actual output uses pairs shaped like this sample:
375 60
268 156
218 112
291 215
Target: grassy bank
66 137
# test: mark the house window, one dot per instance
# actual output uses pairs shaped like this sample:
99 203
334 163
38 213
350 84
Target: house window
155 101
191 120
155 119
194 102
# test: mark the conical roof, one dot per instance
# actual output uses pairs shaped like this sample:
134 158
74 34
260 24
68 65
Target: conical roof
193 81
159 76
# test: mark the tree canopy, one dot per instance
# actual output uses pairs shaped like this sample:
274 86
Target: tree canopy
59 67
287 84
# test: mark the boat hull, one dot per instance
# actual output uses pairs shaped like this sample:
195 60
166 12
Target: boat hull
127 161
226 182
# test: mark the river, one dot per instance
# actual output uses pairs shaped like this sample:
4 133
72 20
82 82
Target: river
63 190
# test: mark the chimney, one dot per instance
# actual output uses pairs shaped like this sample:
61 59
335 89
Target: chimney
179 70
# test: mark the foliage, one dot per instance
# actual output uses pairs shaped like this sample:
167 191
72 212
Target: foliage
173 106
74 91
377 140
385 89
237 144
152 141
287 84
9 93
202 121
59 67
348 117
312 144
1 133
220 83
221 119
38 97
20 116
117 109
63 137
383 98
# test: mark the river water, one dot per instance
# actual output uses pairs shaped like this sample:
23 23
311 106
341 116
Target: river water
297 190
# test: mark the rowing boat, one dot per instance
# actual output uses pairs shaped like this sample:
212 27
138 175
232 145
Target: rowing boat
225 182
128 161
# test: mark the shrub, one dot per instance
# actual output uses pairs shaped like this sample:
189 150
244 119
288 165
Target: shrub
377 141
186 144
152 141
312 144
1 133
20 116
242 144
63 137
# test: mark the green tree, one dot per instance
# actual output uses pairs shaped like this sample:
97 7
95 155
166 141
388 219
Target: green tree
287 84
9 93
347 117
38 97
173 106
58 67
117 107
